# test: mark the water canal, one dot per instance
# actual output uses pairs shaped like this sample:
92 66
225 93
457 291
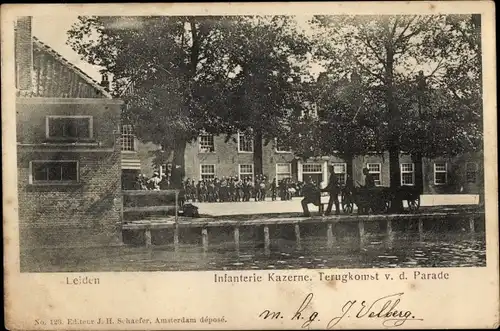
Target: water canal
446 243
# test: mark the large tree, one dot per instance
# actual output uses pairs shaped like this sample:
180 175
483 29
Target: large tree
390 107
181 76
268 54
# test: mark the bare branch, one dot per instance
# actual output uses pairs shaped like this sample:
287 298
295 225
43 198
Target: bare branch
365 68
404 29
404 38
396 22
366 40
436 69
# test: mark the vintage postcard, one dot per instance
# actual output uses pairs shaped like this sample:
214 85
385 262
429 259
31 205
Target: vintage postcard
250 166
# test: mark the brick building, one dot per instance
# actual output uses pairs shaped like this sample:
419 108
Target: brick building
210 156
68 150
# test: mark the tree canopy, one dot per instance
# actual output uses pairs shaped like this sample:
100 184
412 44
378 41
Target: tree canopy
405 83
186 75
417 86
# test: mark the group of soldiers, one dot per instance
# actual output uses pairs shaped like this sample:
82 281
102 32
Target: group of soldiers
232 189
156 182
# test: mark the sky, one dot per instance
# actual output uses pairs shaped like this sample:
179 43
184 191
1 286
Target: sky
51 30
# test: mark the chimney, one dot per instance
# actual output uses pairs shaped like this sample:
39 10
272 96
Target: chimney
105 82
23 53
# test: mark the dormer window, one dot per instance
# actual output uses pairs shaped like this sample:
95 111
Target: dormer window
69 127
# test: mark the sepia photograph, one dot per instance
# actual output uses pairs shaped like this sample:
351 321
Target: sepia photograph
249 142
228 166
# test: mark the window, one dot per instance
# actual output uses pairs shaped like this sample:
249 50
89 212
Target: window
440 173
374 170
471 172
310 110
54 172
407 174
69 127
312 168
340 170
246 171
165 169
245 143
128 138
207 143
207 171
283 170
281 147
313 171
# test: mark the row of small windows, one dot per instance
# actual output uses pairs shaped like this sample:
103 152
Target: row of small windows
245 144
206 142
284 170
207 171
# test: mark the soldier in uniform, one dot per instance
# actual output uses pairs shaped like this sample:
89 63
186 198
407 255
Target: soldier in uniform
273 190
311 194
333 188
369 181
153 182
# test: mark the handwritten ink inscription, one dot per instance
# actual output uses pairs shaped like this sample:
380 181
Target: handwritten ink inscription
385 309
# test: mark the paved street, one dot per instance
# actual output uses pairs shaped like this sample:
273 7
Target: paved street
293 206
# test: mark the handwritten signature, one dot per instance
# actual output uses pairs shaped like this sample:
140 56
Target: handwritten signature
384 309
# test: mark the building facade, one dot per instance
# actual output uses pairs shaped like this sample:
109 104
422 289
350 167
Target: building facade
212 156
68 150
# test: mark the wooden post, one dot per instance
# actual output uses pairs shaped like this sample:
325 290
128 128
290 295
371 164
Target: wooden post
361 228
237 238
176 206
147 235
267 241
472 227
329 235
388 228
297 236
176 237
204 239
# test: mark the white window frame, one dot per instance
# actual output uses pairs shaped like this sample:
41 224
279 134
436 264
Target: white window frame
162 169
91 125
208 164
204 150
412 172
476 168
128 135
278 150
445 171
239 143
246 173
339 173
379 172
32 181
312 172
282 173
